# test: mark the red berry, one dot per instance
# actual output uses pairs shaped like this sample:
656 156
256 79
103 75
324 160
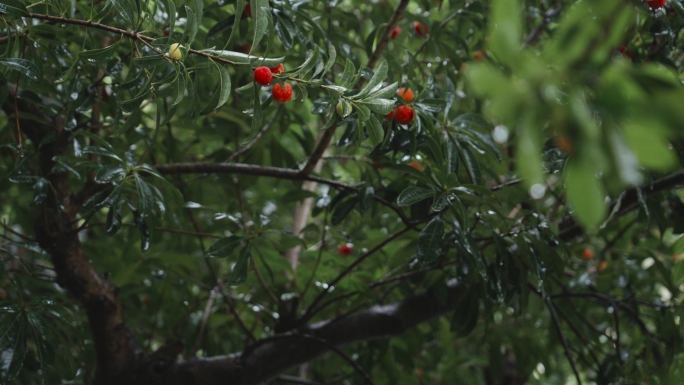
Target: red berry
588 254
345 249
279 69
248 10
655 4
406 94
421 29
395 32
263 75
146 301
282 95
404 115
390 116
479 56
376 164
416 165
625 52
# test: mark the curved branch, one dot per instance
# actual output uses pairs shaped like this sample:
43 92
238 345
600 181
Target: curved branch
270 357
274 172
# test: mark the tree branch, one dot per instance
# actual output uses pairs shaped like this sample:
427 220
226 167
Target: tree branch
382 44
269 357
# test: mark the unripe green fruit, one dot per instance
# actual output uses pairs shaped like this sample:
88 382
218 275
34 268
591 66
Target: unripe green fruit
344 108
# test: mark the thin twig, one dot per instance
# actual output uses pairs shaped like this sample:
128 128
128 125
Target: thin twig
351 267
203 326
319 257
258 136
556 322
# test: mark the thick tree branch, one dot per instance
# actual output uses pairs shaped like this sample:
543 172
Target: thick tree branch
55 230
267 358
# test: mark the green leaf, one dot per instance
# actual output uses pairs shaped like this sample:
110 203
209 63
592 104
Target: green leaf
466 313
40 190
24 67
239 274
222 91
127 11
224 247
347 74
377 78
143 229
133 104
145 197
190 27
385 93
585 193
413 195
99 55
102 151
107 174
366 193
132 121
342 210
506 29
257 115
653 151
332 55
472 165
98 200
376 133
261 10
147 61
379 106
242 58
12 345
44 352
13 8
430 241
114 220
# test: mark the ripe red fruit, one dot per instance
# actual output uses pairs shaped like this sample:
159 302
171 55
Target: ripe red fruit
248 10
263 75
406 94
564 144
416 165
376 164
655 4
282 95
395 32
625 52
421 29
279 69
390 116
479 56
146 301
404 115
588 254
345 249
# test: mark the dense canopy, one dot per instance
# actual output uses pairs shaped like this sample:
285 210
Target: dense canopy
341 192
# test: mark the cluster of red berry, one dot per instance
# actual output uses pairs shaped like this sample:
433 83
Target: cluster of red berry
264 75
403 114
